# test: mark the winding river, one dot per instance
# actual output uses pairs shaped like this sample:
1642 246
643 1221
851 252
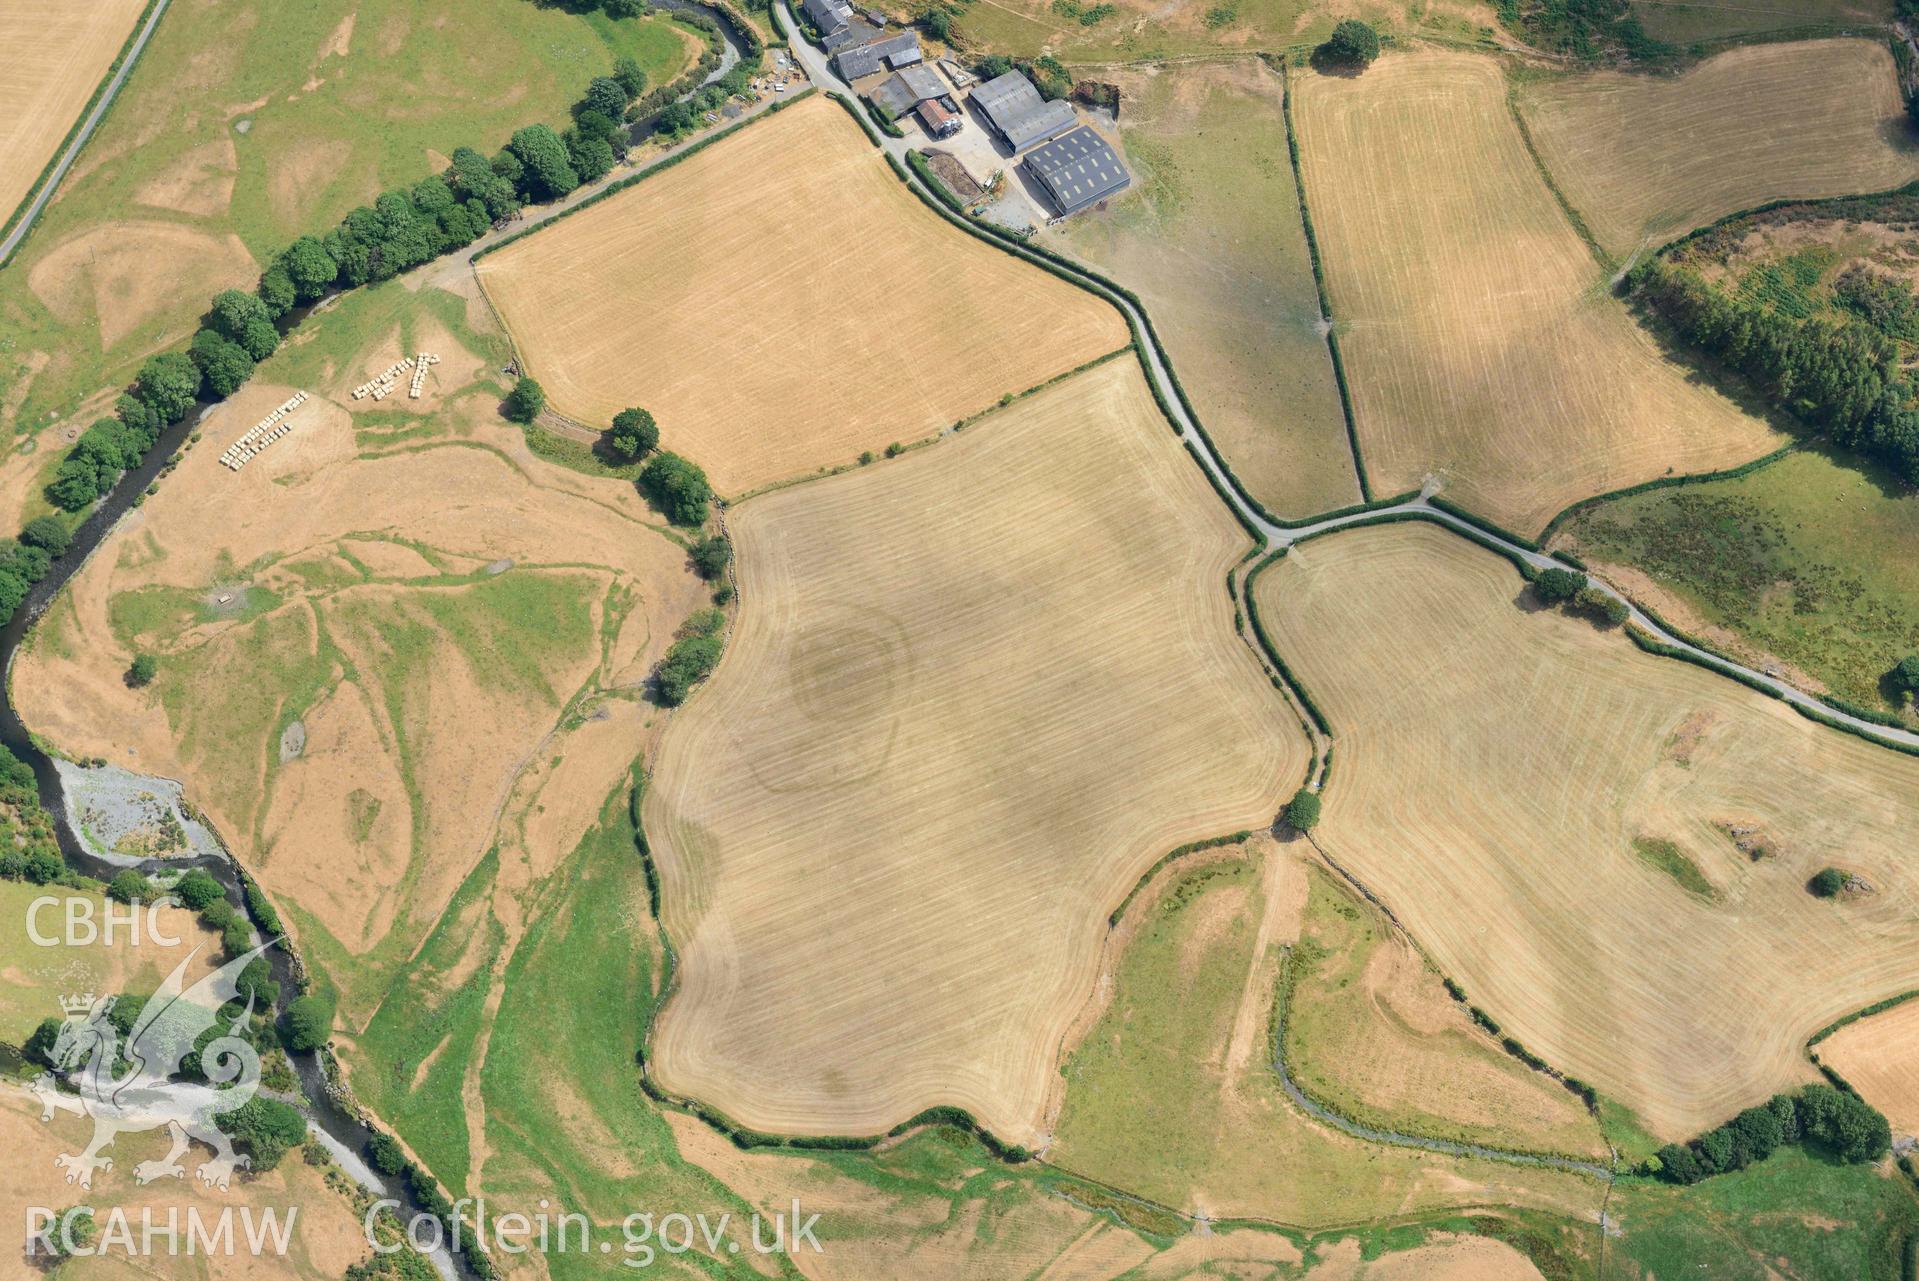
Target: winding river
335 1125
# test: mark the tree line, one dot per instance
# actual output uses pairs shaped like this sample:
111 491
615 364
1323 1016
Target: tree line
1836 1122
1844 378
401 229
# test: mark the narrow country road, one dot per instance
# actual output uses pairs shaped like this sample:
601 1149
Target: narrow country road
72 153
1279 537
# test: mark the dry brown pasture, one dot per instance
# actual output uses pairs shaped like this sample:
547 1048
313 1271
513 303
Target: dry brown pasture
1646 158
1495 765
972 695
364 608
1214 246
782 302
116 278
57 53
1876 1055
325 1241
1481 344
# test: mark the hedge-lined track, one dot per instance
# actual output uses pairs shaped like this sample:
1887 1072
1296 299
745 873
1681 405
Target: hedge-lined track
1496 767
705 294
1645 158
1479 342
973 694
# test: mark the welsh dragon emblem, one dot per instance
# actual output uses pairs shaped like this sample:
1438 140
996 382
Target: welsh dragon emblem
145 1095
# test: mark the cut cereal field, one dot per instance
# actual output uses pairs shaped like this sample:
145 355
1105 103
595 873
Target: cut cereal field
973 694
1481 344
1496 765
782 303
1646 158
1215 248
57 52
1875 1055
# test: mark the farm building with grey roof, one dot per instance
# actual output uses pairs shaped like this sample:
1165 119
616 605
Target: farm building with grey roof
1018 114
907 88
1078 169
828 15
889 54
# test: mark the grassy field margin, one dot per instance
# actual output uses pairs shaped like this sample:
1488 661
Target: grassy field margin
1319 282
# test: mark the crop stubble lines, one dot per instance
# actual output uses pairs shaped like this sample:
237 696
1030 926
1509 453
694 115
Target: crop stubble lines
974 693
1481 346
1495 768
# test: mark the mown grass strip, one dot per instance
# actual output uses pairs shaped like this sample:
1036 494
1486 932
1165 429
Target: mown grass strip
1661 854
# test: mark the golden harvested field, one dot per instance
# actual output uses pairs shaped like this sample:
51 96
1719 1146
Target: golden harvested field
1214 246
413 607
1497 763
1481 344
972 695
782 302
57 53
1646 158
1876 1055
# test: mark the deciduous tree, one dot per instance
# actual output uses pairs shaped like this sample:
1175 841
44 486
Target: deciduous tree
677 487
525 401
547 172
1302 812
634 434
1555 586
1352 44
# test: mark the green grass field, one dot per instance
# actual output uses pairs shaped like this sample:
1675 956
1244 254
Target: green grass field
419 1042
1137 32
264 98
1154 1105
1686 22
1817 1219
1813 560
561 1082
